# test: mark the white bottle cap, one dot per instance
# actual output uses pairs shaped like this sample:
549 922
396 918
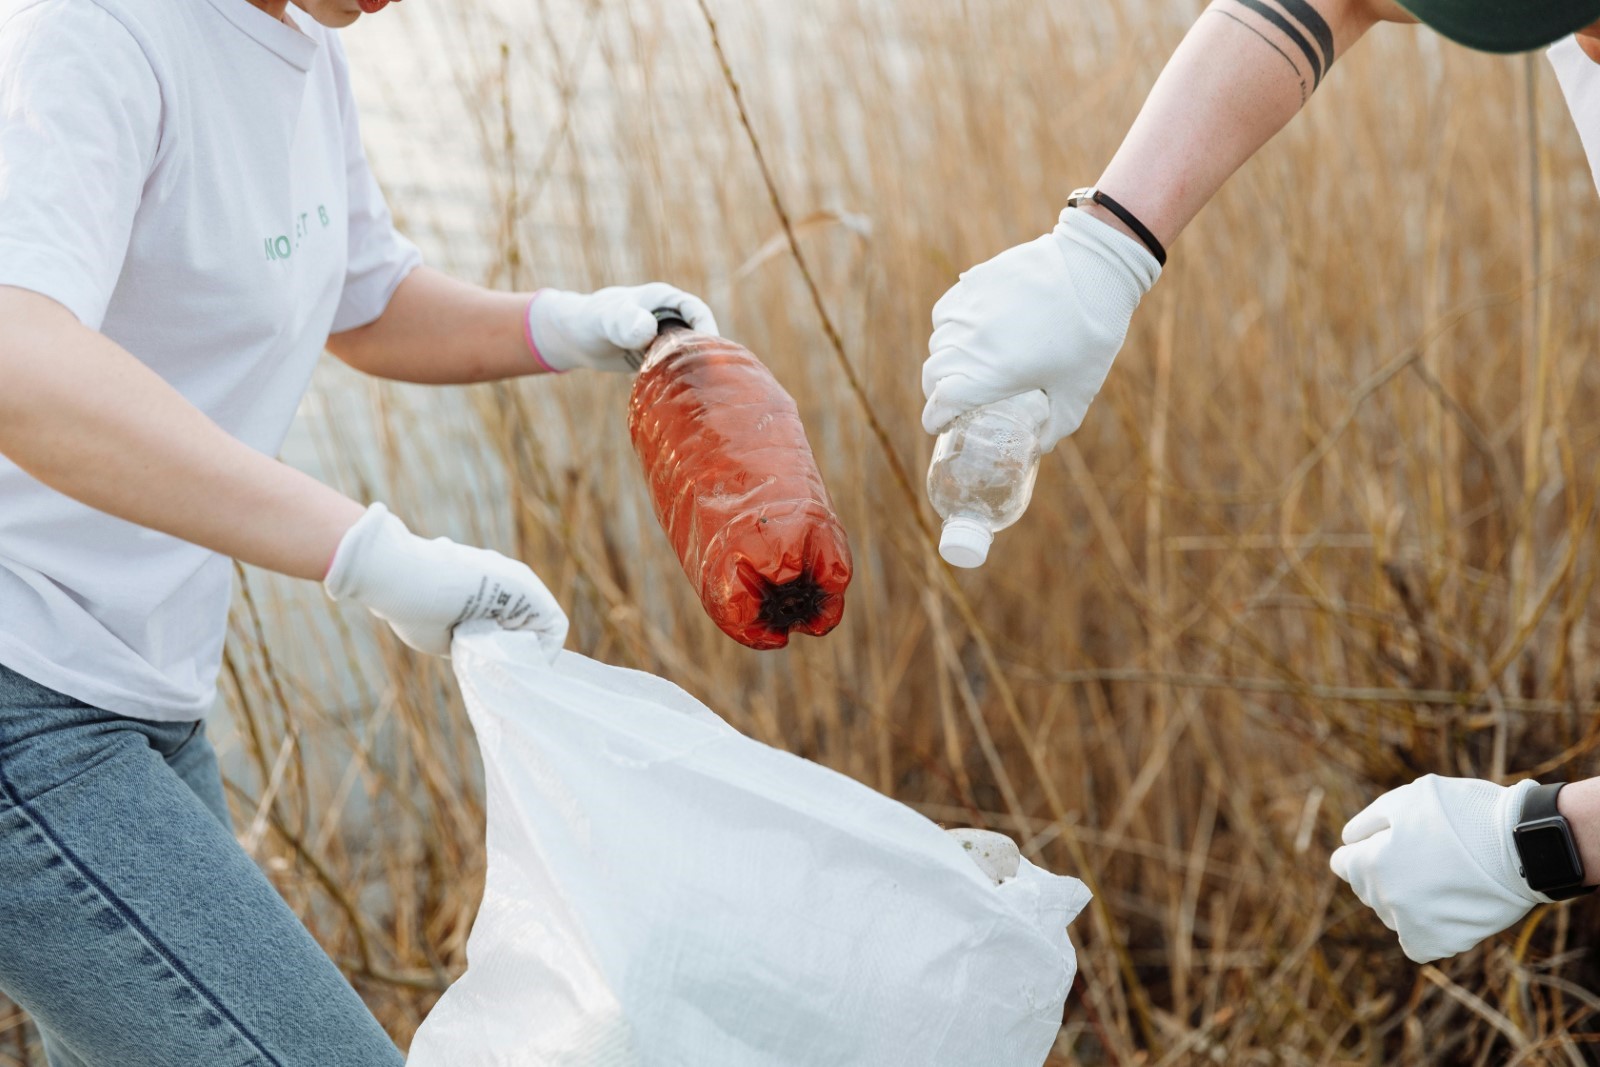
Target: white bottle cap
965 542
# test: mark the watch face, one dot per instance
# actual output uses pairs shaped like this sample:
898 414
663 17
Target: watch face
1547 855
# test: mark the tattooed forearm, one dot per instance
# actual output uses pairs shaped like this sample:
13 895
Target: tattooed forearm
1293 29
1305 91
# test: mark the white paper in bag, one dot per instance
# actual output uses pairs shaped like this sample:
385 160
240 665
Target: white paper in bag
665 891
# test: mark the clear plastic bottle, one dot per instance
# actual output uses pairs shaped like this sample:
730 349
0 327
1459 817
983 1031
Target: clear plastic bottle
982 474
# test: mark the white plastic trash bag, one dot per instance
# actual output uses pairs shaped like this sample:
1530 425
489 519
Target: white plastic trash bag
663 890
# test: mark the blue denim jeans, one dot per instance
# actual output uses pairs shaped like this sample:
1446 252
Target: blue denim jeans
133 928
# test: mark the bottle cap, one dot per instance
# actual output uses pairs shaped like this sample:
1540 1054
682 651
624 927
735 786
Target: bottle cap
965 542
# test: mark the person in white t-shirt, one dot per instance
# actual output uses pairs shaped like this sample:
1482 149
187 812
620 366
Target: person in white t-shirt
1445 862
186 221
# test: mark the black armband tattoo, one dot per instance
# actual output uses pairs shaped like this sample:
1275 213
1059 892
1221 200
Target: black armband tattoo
1298 25
1313 23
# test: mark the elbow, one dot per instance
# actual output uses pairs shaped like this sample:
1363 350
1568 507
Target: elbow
1353 18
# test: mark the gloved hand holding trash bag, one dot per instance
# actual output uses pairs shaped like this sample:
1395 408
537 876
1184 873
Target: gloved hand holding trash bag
425 589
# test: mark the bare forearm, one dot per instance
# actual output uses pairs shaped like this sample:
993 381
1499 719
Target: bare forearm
439 331
1579 803
84 417
1244 70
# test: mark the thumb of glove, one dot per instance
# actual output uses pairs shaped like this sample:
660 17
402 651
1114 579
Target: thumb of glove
953 397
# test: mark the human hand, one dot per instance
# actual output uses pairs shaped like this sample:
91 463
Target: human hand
1050 315
608 329
1435 859
424 589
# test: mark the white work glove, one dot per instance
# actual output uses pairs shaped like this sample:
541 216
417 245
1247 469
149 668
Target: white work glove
1435 860
425 589
1050 314
608 329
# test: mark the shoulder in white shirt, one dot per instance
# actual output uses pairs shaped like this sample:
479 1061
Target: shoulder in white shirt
187 177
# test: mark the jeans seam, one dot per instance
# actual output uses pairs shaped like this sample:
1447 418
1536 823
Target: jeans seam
193 733
9 793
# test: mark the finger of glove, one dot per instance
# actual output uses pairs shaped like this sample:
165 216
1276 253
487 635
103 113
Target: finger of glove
661 296
429 639
952 392
995 317
953 397
628 325
1357 865
553 634
1422 950
1372 819
945 308
526 603
546 616
694 311
950 351
1424 941
979 305
1430 933
550 627
1341 860
1061 423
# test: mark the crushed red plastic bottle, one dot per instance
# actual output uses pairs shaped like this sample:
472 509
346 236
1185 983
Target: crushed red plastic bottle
736 488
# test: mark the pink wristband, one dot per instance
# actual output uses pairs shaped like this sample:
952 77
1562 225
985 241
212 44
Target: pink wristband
527 333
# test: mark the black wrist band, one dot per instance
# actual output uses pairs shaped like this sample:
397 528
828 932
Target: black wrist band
1090 194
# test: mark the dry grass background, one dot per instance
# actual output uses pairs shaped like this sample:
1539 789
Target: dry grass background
1330 525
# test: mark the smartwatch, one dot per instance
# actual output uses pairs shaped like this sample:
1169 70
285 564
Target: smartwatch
1550 861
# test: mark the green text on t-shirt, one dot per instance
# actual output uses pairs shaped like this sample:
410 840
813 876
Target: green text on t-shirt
282 246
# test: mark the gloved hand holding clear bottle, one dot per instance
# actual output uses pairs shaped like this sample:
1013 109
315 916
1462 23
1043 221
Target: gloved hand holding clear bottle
1437 861
424 589
1049 315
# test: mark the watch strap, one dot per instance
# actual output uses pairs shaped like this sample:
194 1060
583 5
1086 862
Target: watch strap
1090 194
1540 802
1570 892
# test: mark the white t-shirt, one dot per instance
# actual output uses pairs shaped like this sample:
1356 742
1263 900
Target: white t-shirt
1580 84
186 176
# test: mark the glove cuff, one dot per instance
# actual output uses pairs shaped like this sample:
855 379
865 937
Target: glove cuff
527 335
344 580
1110 244
544 337
1499 853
